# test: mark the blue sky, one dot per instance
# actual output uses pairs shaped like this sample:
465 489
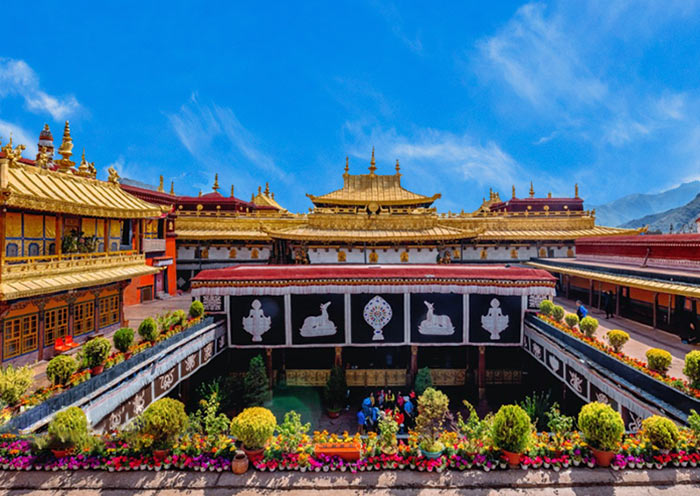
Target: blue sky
604 93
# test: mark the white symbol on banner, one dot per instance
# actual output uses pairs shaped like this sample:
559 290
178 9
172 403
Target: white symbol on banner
576 382
256 323
139 404
635 424
115 420
377 314
536 350
212 303
167 380
494 321
601 398
435 324
318 325
190 362
553 363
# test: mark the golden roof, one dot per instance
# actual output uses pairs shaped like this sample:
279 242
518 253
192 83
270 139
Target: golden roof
266 199
622 280
33 188
52 274
528 234
435 233
222 234
365 189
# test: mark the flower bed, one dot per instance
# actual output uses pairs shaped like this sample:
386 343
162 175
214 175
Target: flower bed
676 391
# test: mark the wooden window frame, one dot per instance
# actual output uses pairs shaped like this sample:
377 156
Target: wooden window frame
53 326
87 319
109 311
26 330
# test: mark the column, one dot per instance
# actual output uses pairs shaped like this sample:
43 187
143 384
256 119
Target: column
122 317
567 286
481 373
338 360
600 294
413 369
655 311
618 295
105 232
268 365
41 304
58 232
2 236
590 293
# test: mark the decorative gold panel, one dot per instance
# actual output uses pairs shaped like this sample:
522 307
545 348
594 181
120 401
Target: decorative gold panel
503 376
448 377
33 226
375 377
14 225
307 377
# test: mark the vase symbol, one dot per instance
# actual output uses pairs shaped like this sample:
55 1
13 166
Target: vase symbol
318 325
435 324
377 314
256 323
494 321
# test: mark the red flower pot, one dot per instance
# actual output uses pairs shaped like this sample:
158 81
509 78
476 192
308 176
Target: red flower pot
254 455
513 458
62 453
333 413
239 464
603 458
97 370
159 455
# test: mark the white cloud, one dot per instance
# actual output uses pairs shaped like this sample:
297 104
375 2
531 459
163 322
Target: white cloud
19 136
17 78
393 18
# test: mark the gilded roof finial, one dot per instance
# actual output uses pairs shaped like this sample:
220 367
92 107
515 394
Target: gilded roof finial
267 189
398 168
160 184
66 150
84 168
347 164
259 190
200 193
532 190
13 154
576 190
216 182
514 191
172 188
232 191
372 166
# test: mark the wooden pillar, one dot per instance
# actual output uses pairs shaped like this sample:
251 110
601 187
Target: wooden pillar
618 295
3 215
668 310
338 359
481 373
600 294
105 232
122 317
567 286
41 330
268 365
413 369
655 311
590 293
58 232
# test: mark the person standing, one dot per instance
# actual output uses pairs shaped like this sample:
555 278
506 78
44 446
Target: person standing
361 422
608 304
581 311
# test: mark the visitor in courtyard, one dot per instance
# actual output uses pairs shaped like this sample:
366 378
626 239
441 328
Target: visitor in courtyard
688 324
400 400
581 311
408 409
608 304
390 399
400 419
361 421
380 399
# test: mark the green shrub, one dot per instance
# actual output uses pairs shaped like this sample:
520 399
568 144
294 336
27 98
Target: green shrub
558 313
14 382
536 406
96 351
617 339
388 427
334 393
602 426
433 412
60 369
177 318
661 432
256 384
511 429
692 368
694 423
571 320
546 307
292 433
196 309
165 420
424 380
68 429
253 427
123 339
588 326
148 329
658 360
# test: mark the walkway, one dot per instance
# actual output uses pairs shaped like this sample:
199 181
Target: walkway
134 315
397 483
642 337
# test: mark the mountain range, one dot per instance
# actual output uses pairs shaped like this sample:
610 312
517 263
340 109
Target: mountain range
658 210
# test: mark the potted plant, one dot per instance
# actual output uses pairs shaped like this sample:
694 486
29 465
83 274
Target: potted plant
692 368
588 326
433 411
388 427
334 392
661 432
658 360
511 432
424 380
96 352
165 420
148 329
253 427
60 369
256 385
602 429
239 464
617 339
66 431
560 426
123 339
571 320
14 382
196 309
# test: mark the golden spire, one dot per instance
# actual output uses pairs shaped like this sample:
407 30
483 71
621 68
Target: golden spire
160 184
514 191
232 191
267 189
576 190
532 190
66 150
172 188
216 182
259 190
347 164
398 168
84 168
372 166
200 193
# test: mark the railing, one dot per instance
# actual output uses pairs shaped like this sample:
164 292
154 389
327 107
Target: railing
22 267
151 245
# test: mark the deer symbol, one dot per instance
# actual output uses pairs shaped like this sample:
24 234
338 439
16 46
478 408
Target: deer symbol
435 324
318 325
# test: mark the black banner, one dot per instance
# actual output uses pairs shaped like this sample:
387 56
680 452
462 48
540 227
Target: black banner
318 319
377 318
495 319
577 381
257 320
437 318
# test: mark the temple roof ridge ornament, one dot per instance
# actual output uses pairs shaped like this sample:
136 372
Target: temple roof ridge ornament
372 164
65 150
216 183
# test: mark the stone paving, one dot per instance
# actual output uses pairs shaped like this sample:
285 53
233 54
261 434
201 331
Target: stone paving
642 337
503 483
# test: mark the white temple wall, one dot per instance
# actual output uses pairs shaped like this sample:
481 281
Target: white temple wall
357 256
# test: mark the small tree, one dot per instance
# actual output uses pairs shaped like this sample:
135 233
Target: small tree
256 384
148 329
692 368
14 382
658 360
558 313
433 411
196 309
424 380
617 339
123 339
571 320
588 326
60 369
335 390
546 307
